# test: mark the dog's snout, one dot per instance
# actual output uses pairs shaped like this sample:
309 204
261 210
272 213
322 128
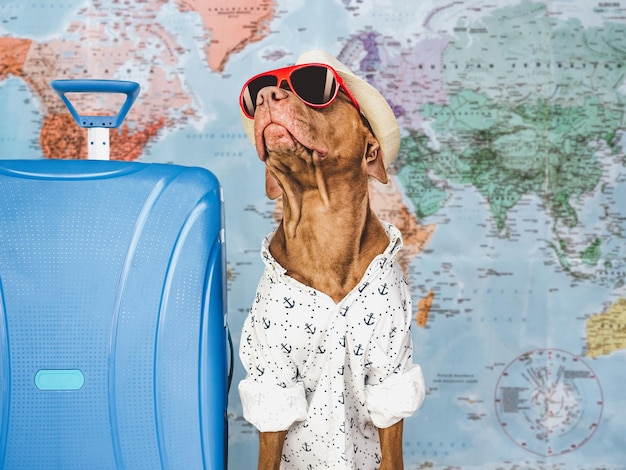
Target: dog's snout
271 93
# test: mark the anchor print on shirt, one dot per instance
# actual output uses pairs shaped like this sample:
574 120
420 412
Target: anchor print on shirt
291 401
342 426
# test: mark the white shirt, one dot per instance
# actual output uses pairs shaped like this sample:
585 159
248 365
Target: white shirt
330 374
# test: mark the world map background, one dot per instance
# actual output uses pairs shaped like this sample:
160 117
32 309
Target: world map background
509 189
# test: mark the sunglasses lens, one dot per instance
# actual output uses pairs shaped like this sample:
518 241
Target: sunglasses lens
251 91
314 84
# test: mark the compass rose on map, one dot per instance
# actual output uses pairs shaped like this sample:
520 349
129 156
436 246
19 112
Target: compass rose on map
549 402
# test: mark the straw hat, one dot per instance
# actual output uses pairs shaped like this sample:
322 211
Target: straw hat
373 106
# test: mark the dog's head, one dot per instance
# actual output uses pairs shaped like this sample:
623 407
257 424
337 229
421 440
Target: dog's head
356 135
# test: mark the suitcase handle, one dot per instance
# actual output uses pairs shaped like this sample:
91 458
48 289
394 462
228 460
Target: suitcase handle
130 89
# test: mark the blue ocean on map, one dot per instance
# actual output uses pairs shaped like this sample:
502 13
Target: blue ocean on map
21 120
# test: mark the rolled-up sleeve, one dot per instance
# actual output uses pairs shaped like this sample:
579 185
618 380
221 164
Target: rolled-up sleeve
396 398
394 387
271 397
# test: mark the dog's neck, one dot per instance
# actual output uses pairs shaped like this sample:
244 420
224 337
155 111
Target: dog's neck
329 236
321 160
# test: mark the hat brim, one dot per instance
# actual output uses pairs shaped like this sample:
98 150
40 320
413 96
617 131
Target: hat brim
373 105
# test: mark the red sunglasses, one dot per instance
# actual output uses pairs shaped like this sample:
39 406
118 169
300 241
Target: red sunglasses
317 85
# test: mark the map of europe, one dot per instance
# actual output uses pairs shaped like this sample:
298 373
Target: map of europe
509 189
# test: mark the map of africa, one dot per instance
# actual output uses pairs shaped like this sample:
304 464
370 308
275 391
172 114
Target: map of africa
509 189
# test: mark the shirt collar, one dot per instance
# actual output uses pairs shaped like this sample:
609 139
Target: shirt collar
395 244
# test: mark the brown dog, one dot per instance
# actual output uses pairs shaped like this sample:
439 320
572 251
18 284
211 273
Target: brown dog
320 159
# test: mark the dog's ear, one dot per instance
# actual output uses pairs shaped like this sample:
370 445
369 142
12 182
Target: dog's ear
374 160
272 189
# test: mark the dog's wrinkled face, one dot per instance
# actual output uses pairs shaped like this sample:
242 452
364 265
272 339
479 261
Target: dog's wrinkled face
299 143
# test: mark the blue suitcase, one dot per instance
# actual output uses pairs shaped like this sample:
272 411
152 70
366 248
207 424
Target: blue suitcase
113 333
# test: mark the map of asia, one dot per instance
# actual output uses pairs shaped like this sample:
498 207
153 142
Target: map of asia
509 190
